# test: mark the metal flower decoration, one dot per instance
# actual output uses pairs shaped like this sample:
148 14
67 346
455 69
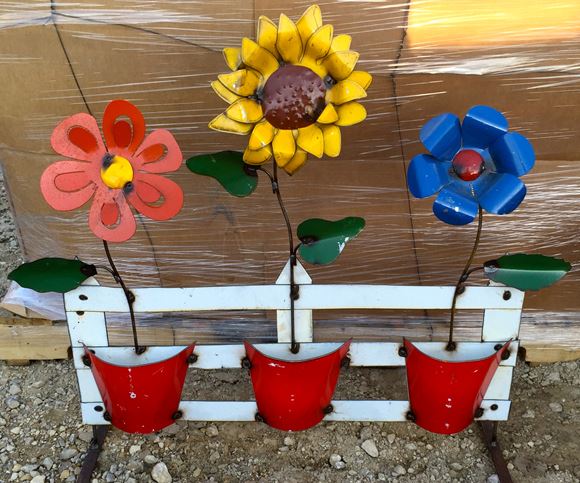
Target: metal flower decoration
121 172
291 91
472 164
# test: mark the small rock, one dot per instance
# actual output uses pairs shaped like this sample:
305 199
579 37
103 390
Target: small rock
47 463
391 438
197 472
370 448
15 430
410 447
160 473
68 453
150 459
556 407
14 389
529 414
456 466
289 441
336 462
493 479
64 474
12 402
214 456
212 431
134 449
399 470
37 479
86 436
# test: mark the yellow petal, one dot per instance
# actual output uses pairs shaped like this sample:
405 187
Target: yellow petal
345 91
328 116
362 78
233 57
309 23
341 64
319 42
259 156
331 140
258 58
283 146
225 124
288 42
267 34
262 135
296 162
224 93
245 110
314 66
242 82
350 113
340 42
311 140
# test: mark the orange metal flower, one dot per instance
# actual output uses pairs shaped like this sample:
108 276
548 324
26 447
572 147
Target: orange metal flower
120 172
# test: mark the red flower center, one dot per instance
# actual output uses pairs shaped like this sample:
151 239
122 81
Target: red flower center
293 97
468 164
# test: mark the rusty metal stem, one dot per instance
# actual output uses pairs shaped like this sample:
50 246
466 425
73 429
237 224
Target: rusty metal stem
128 295
460 283
294 346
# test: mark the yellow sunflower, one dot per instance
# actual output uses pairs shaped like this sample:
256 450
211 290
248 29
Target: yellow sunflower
291 91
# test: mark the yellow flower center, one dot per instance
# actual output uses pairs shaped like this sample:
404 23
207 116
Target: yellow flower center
116 172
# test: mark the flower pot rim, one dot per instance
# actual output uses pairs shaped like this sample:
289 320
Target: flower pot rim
91 352
504 346
293 357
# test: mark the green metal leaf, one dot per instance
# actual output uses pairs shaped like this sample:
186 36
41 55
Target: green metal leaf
52 274
323 240
526 272
228 167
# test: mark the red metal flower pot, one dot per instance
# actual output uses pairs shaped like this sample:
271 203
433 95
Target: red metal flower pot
294 394
445 395
143 398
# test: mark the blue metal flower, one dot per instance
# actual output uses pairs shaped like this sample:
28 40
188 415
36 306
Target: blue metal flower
477 163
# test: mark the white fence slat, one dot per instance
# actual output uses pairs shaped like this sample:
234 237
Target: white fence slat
499 325
343 411
89 328
500 385
302 318
276 297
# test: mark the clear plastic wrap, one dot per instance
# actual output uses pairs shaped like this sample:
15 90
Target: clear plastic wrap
426 57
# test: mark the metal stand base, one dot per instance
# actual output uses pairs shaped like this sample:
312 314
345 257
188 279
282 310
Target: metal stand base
92 456
489 429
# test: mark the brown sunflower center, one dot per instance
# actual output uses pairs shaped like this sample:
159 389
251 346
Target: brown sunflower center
293 97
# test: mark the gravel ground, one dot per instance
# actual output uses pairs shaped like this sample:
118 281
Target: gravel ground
42 438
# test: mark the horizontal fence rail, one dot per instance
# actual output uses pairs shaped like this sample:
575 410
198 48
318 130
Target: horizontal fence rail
276 297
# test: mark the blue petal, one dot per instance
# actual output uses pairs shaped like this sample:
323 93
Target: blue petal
513 154
501 193
482 125
455 208
442 136
426 175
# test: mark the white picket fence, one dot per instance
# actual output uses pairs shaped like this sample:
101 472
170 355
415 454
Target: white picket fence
86 308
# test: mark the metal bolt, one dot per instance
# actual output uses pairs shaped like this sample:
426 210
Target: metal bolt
345 362
130 296
192 359
497 347
403 351
140 350
83 297
451 346
494 407
507 295
86 360
88 270
410 416
246 364
258 417
177 415
107 416
479 413
98 408
80 312
328 409
506 355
